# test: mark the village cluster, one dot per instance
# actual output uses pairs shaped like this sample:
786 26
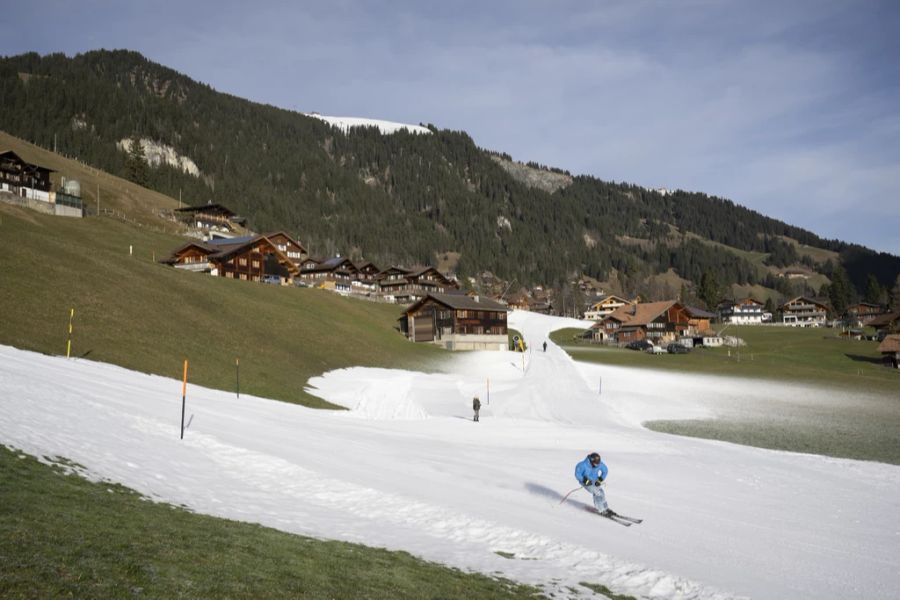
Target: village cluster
436 310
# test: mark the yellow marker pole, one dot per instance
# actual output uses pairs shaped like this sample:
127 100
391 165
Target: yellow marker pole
69 342
183 395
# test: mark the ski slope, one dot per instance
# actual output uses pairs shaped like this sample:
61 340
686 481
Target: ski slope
406 468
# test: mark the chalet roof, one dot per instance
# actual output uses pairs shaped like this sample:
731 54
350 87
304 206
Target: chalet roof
699 313
883 320
334 262
460 301
804 300
211 207
636 315
13 155
859 304
235 241
891 343
395 268
608 298
272 234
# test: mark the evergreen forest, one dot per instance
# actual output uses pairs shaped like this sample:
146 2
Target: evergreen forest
407 198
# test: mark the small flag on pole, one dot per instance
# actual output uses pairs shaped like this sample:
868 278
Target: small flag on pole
69 342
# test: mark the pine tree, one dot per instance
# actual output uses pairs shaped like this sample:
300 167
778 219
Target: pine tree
710 290
136 169
874 291
839 291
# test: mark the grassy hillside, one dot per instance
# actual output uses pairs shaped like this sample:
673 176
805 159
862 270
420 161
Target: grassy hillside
99 189
62 536
137 313
358 192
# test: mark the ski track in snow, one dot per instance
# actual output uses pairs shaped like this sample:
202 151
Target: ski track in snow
403 469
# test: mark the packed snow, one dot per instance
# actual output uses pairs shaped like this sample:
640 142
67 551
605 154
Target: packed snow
385 127
406 468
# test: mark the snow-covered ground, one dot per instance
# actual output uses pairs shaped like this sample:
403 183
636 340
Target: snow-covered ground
385 127
406 468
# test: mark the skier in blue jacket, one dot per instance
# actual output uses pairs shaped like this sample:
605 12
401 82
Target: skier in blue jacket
590 473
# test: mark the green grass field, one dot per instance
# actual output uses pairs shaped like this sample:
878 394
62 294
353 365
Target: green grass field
134 312
808 355
64 537
865 425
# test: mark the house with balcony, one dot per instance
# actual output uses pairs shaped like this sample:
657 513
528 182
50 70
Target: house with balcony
860 314
748 311
24 179
605 306
659 322
405 286
804 312
456 322
336 274
213 220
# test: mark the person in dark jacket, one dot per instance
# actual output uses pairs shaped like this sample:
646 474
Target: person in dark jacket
591 473
476 406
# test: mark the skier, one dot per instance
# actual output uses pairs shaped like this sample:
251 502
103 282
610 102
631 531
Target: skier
476 406
545 346
590 473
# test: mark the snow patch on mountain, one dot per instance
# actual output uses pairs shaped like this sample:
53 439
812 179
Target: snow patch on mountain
385 127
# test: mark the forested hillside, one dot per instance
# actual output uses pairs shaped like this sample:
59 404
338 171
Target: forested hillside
407 198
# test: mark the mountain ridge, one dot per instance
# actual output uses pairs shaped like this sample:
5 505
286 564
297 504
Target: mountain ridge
359 191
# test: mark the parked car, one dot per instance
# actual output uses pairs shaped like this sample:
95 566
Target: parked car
677 349
656 350
639 345
273 279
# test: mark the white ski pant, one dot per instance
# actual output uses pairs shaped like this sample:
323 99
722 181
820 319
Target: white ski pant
599 496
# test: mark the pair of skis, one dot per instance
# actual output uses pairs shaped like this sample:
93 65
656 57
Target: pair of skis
616 517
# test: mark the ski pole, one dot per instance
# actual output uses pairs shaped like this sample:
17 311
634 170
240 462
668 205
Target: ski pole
569 494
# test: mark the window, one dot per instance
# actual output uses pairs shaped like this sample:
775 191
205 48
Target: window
242 261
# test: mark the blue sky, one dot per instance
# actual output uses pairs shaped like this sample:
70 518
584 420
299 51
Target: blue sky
791 108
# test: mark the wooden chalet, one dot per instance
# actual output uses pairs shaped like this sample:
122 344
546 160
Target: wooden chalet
748 311
365 282
290 247
456 322
605 306
890 350
337 273
803 312
23 178
888 323
518 301
860 314
699 320
213 218
249 258
542 306
655 321
405 286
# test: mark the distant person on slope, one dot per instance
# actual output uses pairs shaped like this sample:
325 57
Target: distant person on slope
476 406
545 346
590 473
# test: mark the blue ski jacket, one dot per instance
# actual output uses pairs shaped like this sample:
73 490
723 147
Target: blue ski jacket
586 469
